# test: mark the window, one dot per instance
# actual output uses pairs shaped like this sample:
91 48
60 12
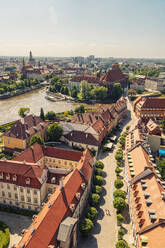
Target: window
70 163
2 185
9 194
16 196
50 160
29 207
16 203
8 186
22 198
36 200
15 187
22 206
3 193
21 189
10 202
28 191
54 161
65 163
8 140
59 162
29 199
35 192
4 201
36 209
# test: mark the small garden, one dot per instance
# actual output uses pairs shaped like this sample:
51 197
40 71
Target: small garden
4 235
119 194
90 216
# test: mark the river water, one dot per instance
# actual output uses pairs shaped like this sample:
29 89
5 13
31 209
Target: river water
34 100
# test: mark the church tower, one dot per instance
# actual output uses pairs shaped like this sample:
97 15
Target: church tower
31 59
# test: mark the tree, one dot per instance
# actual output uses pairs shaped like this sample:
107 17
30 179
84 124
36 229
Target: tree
85 89
161 167
23 111
97 189
42 116
118 183
80 109
36 139
119 203
99 93
118 171
99 164
86 227
94 200
121 244
131 92
91 213
66 91
50 115
98 172
73 92
98 180
54 132
121 233
120 219
117 91
62 90
119 193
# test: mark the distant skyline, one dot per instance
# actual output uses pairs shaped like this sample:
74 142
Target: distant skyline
61 28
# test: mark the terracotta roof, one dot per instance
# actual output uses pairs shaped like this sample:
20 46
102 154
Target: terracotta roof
26 127
113 75
154 103
36 152
81 137
86 77
22 172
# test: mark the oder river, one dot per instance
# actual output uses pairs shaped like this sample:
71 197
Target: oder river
34 100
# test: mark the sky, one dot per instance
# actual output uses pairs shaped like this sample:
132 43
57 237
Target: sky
104 28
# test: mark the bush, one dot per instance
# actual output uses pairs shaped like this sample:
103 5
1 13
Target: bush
127 128
120 219
91 213
118 183
120 233
94 200
98 180
97 189
119 193
119 203
121 244
36 139
118 171
86 227
119 155
50 115
99 172
99 164
4 235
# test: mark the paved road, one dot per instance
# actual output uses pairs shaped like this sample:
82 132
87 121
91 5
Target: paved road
105 231
16 224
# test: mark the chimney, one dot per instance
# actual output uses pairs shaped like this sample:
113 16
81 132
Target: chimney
61 184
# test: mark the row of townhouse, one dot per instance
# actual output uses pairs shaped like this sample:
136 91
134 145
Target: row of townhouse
149 107
28 180
56 224
146 193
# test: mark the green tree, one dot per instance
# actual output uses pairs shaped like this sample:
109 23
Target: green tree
120 219
80 109
91 213
99 172
85 89
62 90
36 139
73 92
121 244
50 115
99 164
121 233
97 189
118 171
131 92
98 180
161 167
23 111
42 116
99 93
94 200
119 193
86 227
117 91
119 203
118 183
54 132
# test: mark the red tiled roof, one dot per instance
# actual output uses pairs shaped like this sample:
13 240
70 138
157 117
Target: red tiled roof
36 152
22 172
113 75
154 103
81 137
86 77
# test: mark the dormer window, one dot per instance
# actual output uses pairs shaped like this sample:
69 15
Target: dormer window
72 207
27 180
78 195
83 186
14 178
53 180
8 177
1 175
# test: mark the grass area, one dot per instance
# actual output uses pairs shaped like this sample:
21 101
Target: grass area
4 235
6 126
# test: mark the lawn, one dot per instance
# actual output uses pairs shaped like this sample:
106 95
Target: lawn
4 235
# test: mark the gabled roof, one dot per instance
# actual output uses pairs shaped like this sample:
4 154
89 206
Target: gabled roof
113 75
81 137
36 152
154 103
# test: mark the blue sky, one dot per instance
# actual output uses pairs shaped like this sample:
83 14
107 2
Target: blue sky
105 28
